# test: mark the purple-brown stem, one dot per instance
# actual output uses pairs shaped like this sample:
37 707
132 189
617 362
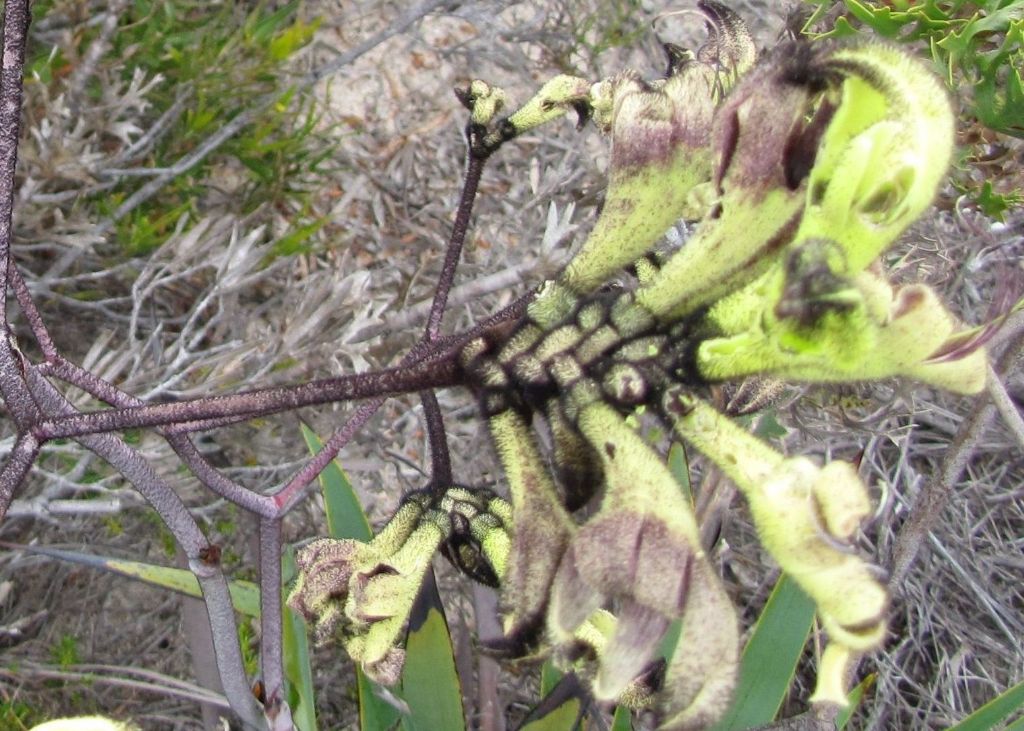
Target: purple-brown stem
179 521
16 19
255 403
271 623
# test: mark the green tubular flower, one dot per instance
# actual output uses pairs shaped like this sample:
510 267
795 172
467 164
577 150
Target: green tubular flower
701 676
765 136
362 593
805 322
660 152
730 48
873 154
555 98
884 154
380 600
558 96
642 550
540 535
805 516
881 158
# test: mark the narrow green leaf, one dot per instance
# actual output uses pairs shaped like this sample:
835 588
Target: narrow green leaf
345 517
993 714
768 427
622 720
295 241
297 669
679 466
562 718
770 657
245 595
375 714
430 683
549 677
853 701
669 643
561 709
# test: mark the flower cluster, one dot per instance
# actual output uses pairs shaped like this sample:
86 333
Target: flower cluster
800 169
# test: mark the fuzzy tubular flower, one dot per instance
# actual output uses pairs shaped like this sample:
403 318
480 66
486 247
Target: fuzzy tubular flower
765 136
856 171
363 592
642 551
809 323
806 516
541 532
661 134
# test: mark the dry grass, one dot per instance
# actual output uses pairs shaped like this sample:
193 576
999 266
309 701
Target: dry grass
206 313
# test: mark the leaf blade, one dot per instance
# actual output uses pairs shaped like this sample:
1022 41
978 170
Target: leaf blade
770 657
430 682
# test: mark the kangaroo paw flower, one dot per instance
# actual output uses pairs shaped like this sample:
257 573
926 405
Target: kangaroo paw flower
765 136
805 516
660 133
362 593
540 535
642 552
807 322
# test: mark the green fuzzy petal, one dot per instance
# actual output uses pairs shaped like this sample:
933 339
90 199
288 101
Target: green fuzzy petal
884 155
803 514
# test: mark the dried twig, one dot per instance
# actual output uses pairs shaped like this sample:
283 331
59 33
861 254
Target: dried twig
935 496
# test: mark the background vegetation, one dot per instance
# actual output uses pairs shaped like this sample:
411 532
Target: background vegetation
307 244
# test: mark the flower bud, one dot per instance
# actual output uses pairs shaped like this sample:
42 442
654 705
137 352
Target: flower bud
362 593
660 149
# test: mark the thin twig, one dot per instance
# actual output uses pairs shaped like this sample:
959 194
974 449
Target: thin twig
935 495
85 69
163 685
1007 408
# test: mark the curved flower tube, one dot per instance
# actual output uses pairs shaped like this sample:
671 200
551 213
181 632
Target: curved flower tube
806 517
